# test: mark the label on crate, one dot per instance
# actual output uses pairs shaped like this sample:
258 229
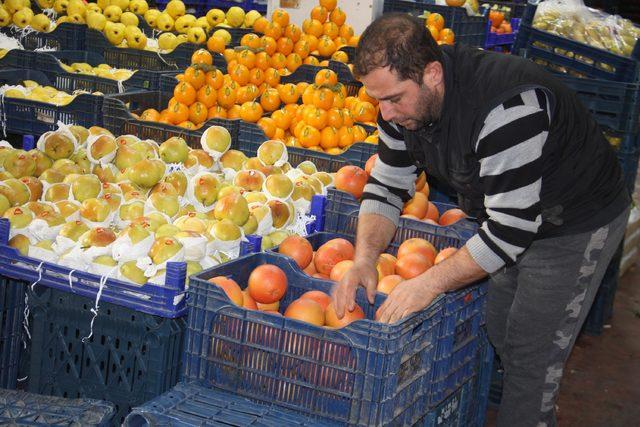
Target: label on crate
448 412
462 332
46 116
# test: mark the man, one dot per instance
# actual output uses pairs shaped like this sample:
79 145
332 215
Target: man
528 160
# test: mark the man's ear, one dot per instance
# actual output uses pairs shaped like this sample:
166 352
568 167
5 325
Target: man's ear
433 74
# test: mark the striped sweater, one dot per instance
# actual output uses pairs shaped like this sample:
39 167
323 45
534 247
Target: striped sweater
509 149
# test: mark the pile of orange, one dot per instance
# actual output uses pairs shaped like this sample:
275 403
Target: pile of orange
435 24
499 24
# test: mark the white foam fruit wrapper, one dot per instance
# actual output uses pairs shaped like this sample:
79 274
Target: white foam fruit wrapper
124 250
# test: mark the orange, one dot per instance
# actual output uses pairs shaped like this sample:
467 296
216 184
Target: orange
272 77
345 134
329 137
270 100
240 74
346 31
214 78
234 112
198 113
436 20
256 76
226 97
306 310
331 30
230 287
328 4
251 111
317 119
313 42
323 98
284 45
185 93
281 17
242 96
268 126
278 60
315 28
319 13
178 113
340 56
262 87
331 317
263 60
229 54
447 36
301 47
307 95
260 24
326 77
435 33
301 86
412 265
293 61
417 206
252 92
338 16
326 46
309 136
297 126
217 112
268 44
150 115
335 118
250 40
273 30
353 41
267 284
201 56
164 117
247 58
216 44
312 60
281 118
365 112
451 216
293 32
279 134
291 109
359 134
288 93
195 77
338 100
207 96
364 96
179 77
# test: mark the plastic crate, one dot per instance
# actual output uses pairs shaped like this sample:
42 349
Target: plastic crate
130 358
191 404
602 308
517 7
629 163
452 411
477 405
494 39
12 304
65 36
366 373
469 30
21 408
136 59
341 216
163 300
23 116
575 57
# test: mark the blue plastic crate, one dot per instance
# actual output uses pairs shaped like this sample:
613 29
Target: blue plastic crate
163 300
574 57
477 406
494 39
24 116
364 374
21 408
12 303
468 30
191 404
65 36
341 216
451 412
130 358
136 59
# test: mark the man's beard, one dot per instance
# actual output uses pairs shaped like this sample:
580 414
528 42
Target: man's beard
427 110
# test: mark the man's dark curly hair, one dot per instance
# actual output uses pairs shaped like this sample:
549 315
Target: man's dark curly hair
397 40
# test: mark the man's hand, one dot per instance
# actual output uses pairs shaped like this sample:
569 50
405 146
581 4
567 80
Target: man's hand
407 297
343 294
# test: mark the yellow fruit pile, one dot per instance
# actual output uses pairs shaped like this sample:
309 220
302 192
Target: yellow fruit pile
102 70
33 91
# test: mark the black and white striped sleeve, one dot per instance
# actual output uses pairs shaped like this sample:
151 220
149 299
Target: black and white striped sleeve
392 180
510 147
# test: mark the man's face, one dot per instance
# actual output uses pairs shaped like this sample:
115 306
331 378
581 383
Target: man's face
403 102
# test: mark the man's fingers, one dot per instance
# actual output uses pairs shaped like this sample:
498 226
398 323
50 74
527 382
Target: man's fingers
371 291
